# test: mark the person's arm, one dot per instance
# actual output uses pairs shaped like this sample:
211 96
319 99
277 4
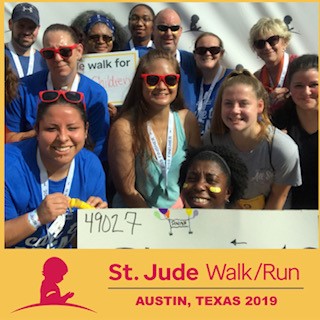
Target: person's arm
277 197
18 136
20 228
122 163
192 130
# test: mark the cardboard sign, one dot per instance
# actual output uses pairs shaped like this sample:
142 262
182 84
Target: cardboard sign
195 228
113 70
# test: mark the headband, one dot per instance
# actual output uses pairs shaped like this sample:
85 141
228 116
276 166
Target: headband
217 156
99 18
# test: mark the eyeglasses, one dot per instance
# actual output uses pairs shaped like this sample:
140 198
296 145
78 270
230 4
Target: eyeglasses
97 37
152 80
136 18
49 96
261 43
164 28
64 51
203 50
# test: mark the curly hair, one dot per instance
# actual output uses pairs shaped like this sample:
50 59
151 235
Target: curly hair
120 34
11 82
230 163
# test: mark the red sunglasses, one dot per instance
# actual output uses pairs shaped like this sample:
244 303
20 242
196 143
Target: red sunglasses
152 80
49 96
64 51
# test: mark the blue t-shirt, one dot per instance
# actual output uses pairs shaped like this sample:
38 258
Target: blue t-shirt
22 111
188 79
23 189
39 63
204 116
142 50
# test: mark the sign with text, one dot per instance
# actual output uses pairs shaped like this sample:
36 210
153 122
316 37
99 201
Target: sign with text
113 70
197 228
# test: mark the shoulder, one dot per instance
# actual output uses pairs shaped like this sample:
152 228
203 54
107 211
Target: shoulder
187 57
121 126
88 158
284 144
34 79
257 73
88 85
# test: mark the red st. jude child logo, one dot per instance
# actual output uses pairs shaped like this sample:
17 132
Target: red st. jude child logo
54 270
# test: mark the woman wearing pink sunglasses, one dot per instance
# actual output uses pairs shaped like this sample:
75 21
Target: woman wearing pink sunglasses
44 175
149 140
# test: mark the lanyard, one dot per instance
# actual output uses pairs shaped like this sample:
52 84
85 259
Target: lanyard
283 72
74 86
204 98
17 62
58 224
132 47
164 164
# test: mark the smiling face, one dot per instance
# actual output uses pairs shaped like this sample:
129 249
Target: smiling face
240 108
161 95
271 54
208 61
61 135
141 23
24 32
205 185
167 40
99 39
304 89
61 66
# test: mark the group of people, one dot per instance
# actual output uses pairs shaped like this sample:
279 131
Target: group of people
190 133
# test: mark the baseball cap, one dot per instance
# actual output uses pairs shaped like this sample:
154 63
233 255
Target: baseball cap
25 11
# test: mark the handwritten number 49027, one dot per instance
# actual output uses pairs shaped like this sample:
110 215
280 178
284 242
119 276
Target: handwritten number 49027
103 223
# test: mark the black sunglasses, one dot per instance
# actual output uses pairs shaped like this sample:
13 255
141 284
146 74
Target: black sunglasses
203 50
64 51
164 28
97 37
261 43
152 80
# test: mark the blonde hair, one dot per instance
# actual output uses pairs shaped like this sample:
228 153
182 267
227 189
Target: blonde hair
241 76
266 26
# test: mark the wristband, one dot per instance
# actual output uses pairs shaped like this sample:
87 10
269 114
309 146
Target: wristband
33 219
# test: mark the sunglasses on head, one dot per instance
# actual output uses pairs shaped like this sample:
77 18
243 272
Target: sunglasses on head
64 51
203 50
49 96
164 28
152 80
97 37
261 43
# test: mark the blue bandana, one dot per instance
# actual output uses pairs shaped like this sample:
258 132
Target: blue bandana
96 19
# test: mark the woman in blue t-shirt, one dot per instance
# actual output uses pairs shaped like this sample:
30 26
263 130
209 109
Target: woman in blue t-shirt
44 175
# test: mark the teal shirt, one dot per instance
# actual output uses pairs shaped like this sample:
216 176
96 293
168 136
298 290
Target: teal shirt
149 181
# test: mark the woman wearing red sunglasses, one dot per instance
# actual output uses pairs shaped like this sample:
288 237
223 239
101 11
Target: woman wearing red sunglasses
269 38
62 52
149 140
44 174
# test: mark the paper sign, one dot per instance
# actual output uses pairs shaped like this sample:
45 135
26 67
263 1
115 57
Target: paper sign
195 228
113 70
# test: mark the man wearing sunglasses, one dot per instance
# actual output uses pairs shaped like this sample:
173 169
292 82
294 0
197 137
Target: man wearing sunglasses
167 31
24 26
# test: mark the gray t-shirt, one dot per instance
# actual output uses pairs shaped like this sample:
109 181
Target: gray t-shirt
268 163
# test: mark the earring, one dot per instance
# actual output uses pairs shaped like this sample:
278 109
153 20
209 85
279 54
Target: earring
185 185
